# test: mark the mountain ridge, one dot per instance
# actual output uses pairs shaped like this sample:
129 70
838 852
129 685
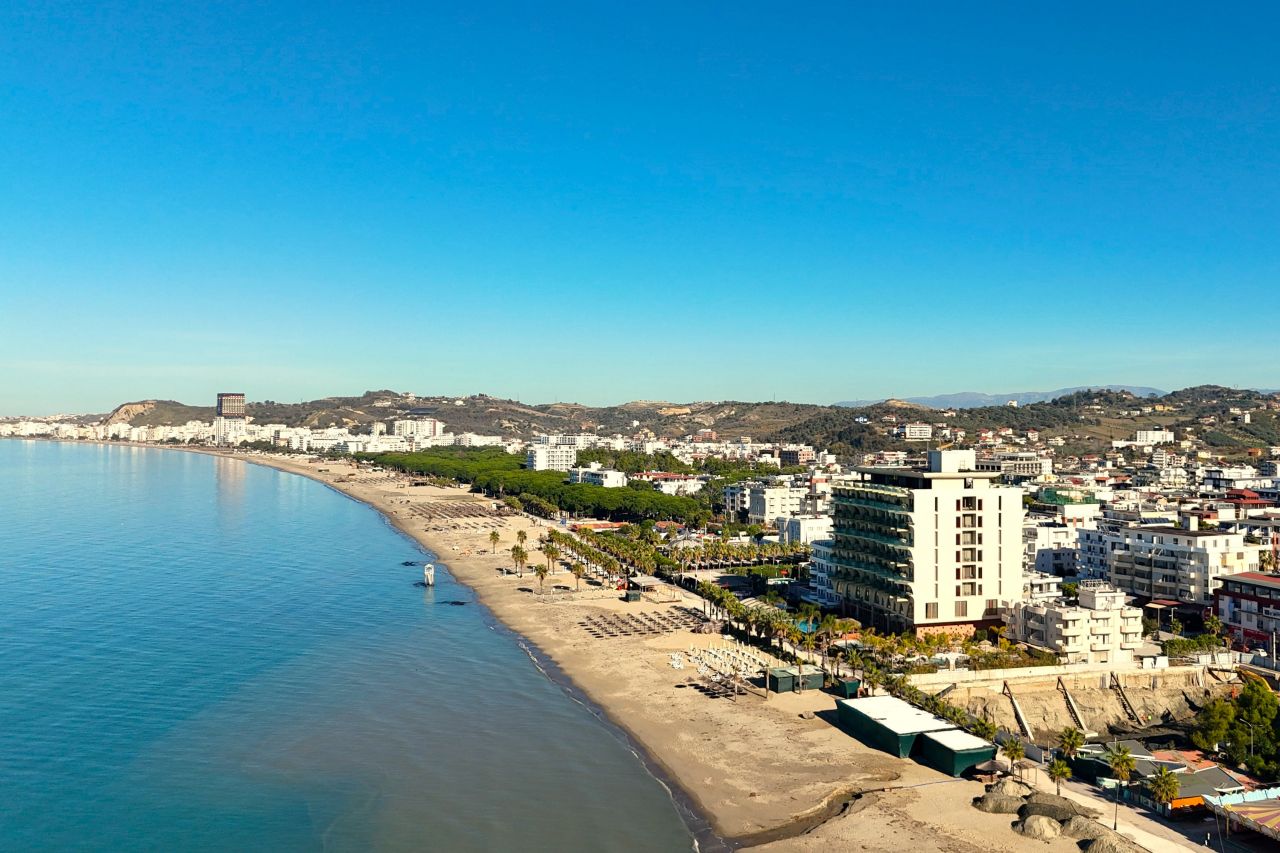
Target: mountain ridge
978 399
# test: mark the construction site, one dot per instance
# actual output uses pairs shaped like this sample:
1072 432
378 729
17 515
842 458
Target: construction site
1039 703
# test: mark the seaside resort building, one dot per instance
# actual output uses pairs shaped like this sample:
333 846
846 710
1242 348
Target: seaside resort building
1101 629
928 550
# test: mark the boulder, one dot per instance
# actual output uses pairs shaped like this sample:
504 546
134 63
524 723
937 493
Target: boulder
998 804
1049 810
1063 802
1113 842
1084 828
1010 788
1040 828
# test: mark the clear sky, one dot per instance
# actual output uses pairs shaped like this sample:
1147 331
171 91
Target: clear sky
600 202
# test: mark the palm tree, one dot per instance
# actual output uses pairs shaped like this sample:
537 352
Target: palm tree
1070 741
1122 764
984 729
1059 771
578 571
493 541
521 536
519 556
541 571
552 553
1014 751
1164 784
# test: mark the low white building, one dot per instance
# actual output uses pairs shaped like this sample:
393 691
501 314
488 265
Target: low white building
1100 629
595 475
671 484
804 529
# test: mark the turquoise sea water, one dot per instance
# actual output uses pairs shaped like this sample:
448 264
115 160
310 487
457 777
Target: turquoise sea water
204 654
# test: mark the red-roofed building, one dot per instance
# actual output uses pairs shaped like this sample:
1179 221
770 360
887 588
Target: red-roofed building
1248 604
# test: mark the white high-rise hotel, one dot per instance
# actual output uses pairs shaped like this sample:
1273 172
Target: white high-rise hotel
927 550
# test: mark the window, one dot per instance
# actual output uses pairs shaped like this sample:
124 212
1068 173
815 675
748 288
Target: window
962 609
931 610
993 604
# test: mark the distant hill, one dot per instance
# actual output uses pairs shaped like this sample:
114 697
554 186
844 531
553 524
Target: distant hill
976 399
1087 418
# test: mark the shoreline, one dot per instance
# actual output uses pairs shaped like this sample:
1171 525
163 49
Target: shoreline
742 772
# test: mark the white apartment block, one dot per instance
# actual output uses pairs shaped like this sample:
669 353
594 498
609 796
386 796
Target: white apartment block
595 475
551 457
420 427
927 550
579 441
1180 564
1100 630
916 431
804 529
228 430
737 497
1152 437
820 572
1050 546
767 503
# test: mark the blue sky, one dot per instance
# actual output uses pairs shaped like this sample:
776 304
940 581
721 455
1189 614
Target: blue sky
599 202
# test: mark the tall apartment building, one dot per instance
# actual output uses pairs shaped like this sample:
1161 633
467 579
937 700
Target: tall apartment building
551 457
230 405
1180 564
1101 629
927 550
230 425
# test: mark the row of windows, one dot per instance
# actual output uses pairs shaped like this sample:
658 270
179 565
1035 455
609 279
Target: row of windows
961 607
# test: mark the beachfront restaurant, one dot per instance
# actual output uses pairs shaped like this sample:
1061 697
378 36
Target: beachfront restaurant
888 724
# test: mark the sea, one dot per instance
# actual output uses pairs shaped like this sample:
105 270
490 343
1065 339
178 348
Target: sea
199 653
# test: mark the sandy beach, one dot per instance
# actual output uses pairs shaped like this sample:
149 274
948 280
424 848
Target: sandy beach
773 773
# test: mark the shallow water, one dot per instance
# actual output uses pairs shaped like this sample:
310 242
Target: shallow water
202 654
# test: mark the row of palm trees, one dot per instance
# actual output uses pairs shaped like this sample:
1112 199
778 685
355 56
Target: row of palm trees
716 553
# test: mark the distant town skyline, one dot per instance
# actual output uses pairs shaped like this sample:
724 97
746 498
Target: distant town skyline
596 205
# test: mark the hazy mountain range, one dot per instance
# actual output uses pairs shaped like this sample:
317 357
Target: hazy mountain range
976 399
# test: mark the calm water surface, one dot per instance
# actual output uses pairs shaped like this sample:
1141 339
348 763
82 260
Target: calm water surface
203 654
